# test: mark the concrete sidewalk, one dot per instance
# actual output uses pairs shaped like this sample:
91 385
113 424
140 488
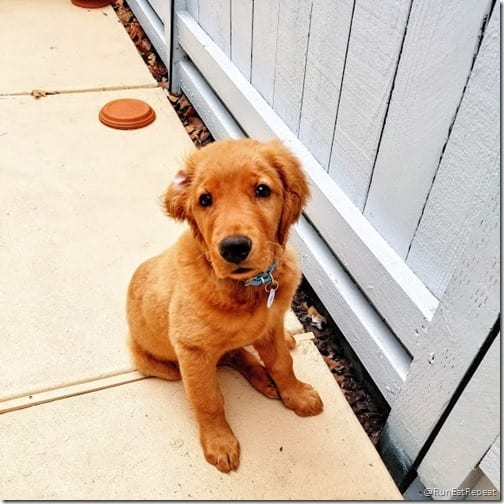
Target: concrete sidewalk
80 211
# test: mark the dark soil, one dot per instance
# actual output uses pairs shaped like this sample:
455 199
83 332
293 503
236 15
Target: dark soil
360 392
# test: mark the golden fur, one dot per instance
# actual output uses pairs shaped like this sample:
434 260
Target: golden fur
188 308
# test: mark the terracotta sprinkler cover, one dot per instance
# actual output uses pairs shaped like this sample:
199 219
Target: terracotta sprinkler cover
127 113
91 4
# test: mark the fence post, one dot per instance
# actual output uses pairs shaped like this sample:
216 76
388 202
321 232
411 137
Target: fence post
175 52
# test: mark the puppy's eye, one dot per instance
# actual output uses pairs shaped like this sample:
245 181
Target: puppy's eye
205 200
262 191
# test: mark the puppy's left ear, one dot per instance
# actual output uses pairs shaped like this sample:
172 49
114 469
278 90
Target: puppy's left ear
296 190
175 198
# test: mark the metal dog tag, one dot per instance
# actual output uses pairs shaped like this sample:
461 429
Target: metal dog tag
273 286
271 298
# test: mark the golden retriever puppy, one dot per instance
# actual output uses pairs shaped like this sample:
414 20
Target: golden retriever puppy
225 284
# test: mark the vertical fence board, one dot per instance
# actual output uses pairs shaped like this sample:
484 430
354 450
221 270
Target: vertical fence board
373 50
476 416
467 171
241 35
264 43
436 60
192 7
215 19
174 51
293 33
327 45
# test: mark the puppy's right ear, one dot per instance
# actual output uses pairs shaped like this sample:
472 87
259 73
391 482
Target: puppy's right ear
176 196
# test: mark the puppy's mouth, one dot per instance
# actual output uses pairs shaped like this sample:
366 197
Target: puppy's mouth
241 271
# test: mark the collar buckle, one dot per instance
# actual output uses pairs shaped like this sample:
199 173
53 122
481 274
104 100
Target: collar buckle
263 278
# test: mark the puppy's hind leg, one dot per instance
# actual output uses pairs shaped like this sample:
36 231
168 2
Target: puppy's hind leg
148 365
249 366
290 341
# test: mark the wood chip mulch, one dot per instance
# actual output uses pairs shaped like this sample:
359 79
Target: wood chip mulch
193 124
370 410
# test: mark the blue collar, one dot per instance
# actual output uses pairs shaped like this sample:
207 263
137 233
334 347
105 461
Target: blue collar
263 278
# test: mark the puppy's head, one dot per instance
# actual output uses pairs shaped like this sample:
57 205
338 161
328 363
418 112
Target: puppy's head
240 198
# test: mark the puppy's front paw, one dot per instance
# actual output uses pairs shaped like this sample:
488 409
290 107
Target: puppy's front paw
221 449
303 399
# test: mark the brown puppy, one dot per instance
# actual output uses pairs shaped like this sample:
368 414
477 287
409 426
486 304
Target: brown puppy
226 283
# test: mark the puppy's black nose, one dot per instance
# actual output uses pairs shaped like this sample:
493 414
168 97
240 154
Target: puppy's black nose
235 249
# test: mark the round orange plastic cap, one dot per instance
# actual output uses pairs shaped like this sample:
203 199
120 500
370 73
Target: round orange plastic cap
127 113
91 4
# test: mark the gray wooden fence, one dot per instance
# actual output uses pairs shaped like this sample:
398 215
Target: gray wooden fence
393 107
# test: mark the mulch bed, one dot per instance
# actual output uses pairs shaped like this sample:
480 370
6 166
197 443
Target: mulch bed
364 399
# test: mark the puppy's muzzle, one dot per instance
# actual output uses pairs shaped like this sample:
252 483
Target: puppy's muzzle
235 249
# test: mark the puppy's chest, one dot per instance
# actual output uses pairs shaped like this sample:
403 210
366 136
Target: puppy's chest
247 310
244 303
